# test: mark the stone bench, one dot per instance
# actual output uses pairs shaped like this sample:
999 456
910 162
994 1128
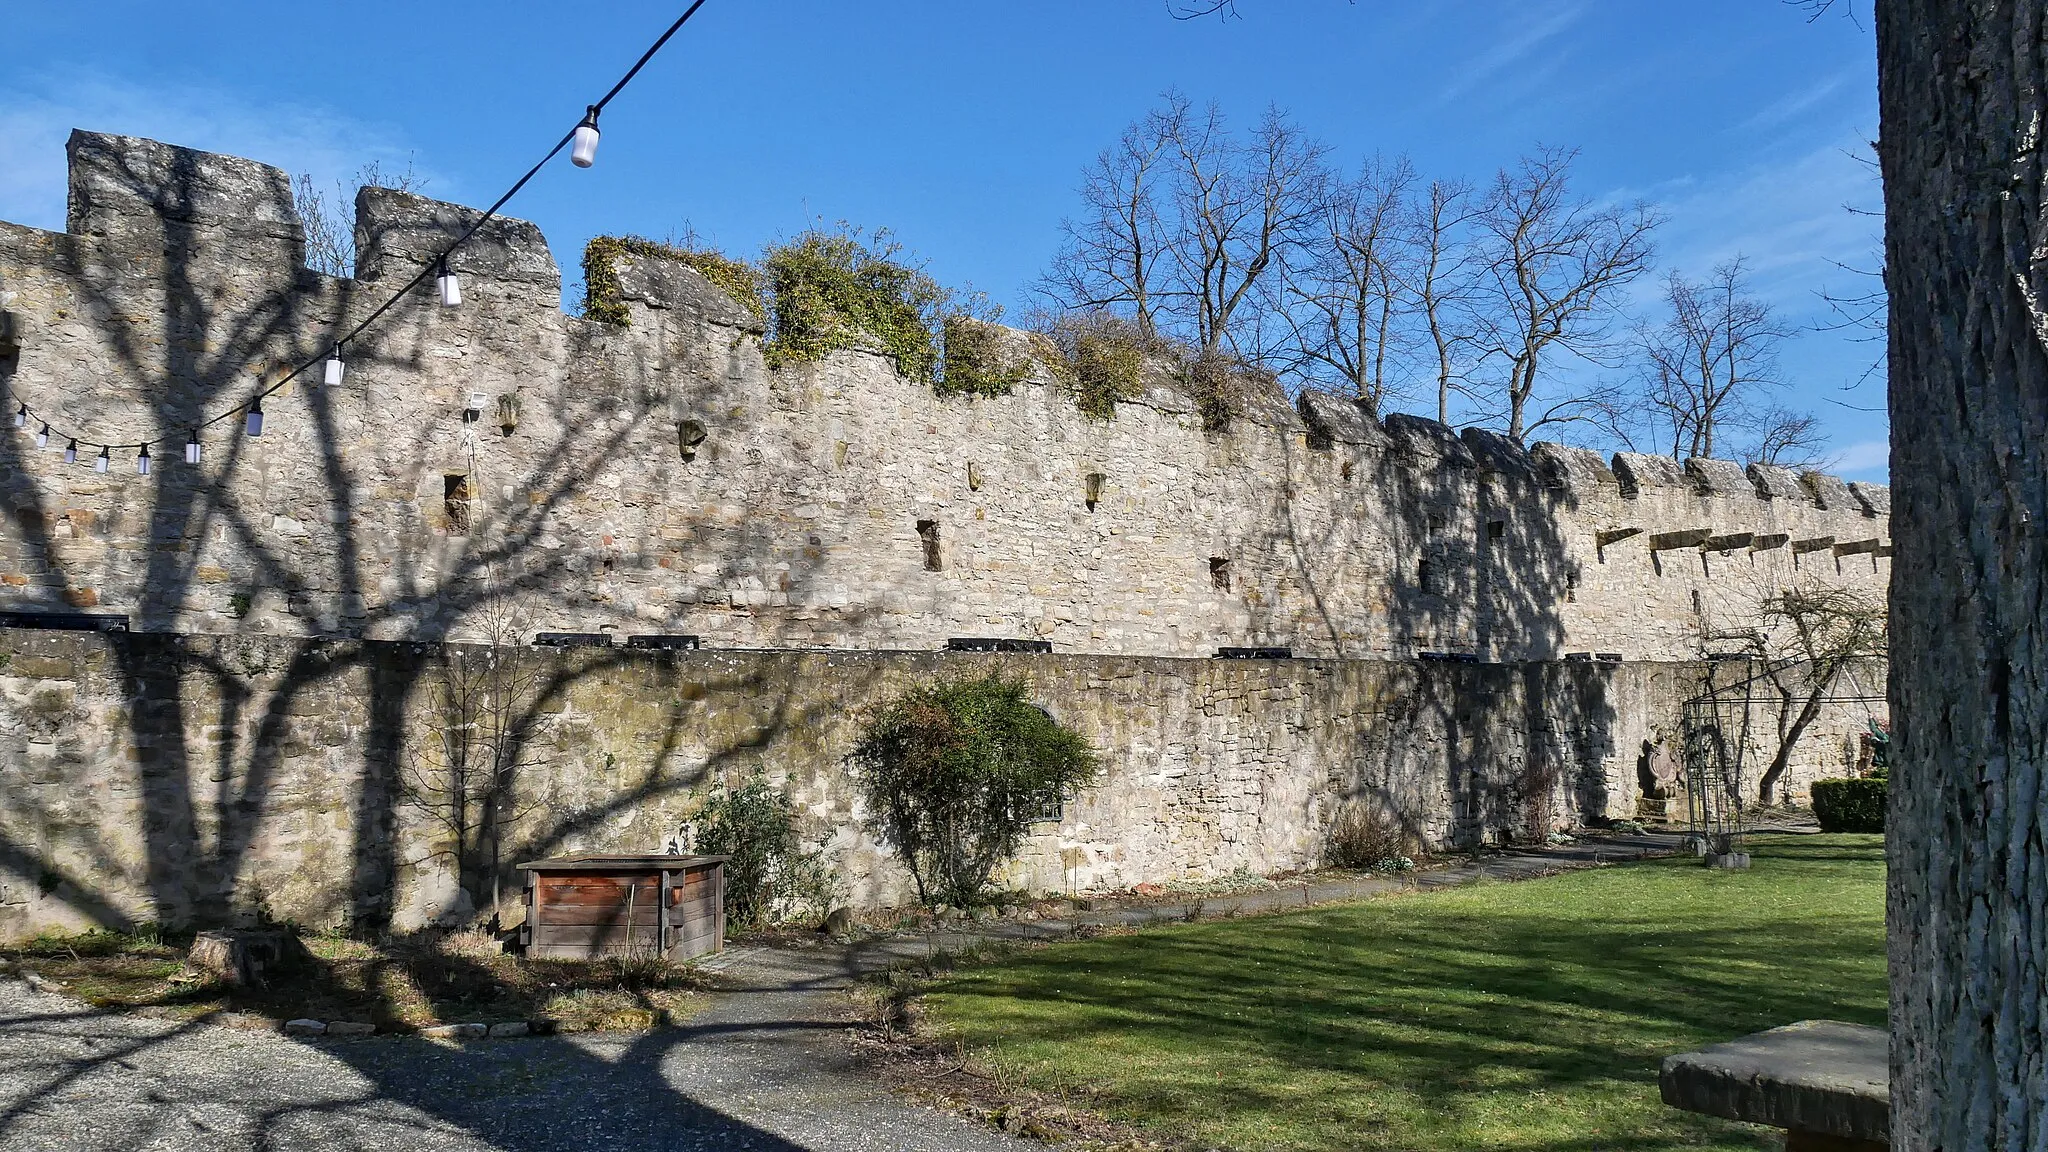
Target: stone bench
1826 1083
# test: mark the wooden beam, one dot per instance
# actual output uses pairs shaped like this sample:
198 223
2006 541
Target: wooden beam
1728 543
1818 543
1687 538
1607 536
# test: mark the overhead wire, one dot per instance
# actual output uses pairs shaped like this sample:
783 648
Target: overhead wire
27 414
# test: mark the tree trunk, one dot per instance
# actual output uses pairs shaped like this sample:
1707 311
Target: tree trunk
1961 99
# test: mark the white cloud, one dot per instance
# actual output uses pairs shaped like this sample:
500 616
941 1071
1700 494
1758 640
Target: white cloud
1517 43
1865 459
37 114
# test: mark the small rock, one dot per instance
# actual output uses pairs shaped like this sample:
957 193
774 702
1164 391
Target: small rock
305 1027
509 1028
541 1027
1149 890
40 982
455 1031
349 1028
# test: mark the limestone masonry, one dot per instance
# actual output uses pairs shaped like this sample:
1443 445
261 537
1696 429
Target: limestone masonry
314 609
659 478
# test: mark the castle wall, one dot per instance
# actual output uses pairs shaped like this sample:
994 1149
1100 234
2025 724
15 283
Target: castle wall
199 779
377 509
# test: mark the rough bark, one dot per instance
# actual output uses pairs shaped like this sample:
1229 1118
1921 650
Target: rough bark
1961 92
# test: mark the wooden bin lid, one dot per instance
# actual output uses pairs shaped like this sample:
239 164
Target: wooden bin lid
652 862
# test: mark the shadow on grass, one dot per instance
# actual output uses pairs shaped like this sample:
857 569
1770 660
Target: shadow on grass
1501 1016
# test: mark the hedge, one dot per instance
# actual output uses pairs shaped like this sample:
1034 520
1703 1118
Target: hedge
1849 805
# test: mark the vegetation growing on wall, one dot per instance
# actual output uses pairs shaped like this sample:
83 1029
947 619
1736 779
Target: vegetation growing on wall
771 876
837 289
956 771
601 297
977 363
1100 357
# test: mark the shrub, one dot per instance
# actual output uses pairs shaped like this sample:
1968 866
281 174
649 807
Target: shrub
771 876
1100 357
1216 382
601 299
954 773
977 364
833 290
1365 837
1849 805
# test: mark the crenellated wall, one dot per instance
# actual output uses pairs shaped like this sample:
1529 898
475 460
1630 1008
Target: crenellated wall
575 501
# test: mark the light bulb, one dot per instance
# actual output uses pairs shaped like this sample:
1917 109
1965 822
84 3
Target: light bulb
142 462
583 153
71 452
192 449
100 462
255 418
21 417
335 368
43 437
450 287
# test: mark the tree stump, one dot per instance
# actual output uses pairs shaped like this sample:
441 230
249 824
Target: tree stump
242 956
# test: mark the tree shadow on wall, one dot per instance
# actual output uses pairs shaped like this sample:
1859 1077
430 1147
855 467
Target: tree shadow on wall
220 725
1478 719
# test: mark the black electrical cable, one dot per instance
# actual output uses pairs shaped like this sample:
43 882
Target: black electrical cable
419 277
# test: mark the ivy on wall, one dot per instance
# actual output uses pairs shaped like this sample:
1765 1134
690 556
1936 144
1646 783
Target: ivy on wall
977 363
602 300
834 290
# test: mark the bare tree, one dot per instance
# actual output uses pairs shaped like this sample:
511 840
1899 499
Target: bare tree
1709 362
1442 284
1807 637
1111 249
1185 223
1554 266
1238 210
465 780
330 223
1344 301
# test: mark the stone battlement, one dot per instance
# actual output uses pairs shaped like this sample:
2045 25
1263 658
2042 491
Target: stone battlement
501 467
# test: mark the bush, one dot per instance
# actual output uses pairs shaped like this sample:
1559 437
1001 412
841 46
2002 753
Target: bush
977 364
1365 838
833 290
771 876
601 299
1100 357
1849 805
955 772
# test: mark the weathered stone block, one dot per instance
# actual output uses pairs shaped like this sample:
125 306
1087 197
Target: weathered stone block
1818 1076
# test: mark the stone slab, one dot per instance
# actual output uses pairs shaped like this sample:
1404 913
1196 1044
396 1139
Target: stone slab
1818 1076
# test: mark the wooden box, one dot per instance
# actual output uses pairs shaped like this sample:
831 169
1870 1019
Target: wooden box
585 907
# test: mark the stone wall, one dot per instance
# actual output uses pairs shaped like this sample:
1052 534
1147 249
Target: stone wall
502 457
199 779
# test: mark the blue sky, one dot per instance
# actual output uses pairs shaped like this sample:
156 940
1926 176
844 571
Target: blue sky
964 125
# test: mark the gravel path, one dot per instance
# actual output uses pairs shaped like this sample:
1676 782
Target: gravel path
764 1068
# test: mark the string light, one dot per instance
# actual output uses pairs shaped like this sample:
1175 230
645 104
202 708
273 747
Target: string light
449 286
583 153
582 142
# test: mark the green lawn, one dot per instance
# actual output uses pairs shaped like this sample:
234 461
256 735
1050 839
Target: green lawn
1501 1016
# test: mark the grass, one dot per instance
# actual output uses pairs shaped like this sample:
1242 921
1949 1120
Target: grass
400 984
1500 1016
